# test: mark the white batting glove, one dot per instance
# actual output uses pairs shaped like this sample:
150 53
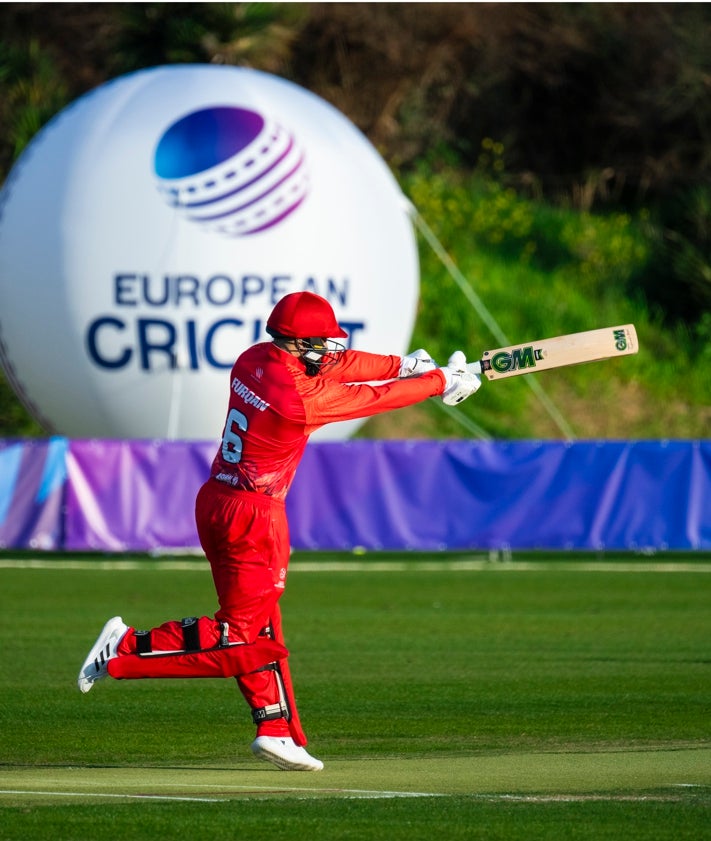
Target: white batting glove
460 383
416 363
458 361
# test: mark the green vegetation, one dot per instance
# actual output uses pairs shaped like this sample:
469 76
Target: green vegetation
541 271
526 703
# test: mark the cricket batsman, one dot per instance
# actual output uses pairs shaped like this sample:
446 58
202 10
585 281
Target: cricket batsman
281 391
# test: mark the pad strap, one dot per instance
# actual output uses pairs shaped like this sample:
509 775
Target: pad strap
278 710
191 633
143 642
268 713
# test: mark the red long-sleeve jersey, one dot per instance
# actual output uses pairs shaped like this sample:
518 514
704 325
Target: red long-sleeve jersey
274 407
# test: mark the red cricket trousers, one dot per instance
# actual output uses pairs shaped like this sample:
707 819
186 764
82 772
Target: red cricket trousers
245 537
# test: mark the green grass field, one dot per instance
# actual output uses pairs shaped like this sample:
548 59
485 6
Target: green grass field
538 698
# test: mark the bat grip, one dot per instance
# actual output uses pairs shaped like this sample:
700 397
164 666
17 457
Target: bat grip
474 367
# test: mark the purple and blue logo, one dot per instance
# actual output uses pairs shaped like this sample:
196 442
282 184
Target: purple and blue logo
231 170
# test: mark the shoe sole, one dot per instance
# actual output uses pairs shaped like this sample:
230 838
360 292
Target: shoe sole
284 763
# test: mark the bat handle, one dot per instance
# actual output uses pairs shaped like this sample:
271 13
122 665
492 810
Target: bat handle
474 367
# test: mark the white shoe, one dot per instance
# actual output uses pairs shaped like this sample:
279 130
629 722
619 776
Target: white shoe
94 667
285 754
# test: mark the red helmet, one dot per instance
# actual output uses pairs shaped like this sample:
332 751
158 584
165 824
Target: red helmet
303 315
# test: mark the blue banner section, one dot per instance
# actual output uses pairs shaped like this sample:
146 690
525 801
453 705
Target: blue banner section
32 486
119 496
504 495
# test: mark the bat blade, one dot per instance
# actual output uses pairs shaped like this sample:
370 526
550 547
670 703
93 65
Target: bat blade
557 352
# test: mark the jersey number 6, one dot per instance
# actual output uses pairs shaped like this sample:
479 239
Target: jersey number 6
231 441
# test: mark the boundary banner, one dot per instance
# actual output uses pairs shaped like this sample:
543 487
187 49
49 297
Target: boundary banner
126 496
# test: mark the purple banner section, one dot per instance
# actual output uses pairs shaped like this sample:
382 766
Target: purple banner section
32 485
117 496
134 495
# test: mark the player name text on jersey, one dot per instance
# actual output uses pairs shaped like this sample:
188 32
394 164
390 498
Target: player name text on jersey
249 397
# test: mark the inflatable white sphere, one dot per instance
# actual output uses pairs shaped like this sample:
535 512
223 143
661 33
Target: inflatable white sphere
150 227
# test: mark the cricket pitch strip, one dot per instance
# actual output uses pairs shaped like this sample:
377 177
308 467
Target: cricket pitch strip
615 774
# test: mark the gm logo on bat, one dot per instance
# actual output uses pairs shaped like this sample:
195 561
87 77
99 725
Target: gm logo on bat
524 357
620 339
148 230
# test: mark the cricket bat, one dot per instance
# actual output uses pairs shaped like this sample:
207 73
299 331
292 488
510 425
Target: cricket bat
557 352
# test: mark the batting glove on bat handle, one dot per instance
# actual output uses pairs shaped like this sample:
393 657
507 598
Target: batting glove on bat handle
459 385
463 382
416 363
457 361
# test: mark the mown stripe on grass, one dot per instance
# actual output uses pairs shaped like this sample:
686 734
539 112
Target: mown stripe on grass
363 794
462 565
82 794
